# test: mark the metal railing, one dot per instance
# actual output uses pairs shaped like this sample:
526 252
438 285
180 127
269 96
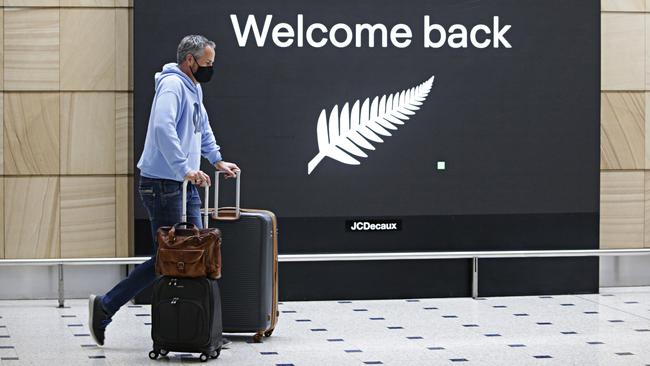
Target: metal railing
288 258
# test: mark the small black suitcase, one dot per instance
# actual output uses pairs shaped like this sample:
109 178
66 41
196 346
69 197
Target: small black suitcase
186 317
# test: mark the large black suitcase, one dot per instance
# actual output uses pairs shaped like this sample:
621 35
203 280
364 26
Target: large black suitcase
186 317
249 286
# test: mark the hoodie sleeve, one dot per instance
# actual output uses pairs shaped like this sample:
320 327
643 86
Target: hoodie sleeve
209 147
164 127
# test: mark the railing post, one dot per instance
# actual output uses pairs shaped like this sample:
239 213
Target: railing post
475 278
61 294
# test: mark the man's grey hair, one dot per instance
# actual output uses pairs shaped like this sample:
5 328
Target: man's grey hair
194 44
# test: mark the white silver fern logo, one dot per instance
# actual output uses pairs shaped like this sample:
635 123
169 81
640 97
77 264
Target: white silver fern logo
340 136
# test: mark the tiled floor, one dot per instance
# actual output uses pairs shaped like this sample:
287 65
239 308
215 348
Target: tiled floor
612 328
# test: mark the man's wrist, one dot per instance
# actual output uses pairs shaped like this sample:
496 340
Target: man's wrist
187 171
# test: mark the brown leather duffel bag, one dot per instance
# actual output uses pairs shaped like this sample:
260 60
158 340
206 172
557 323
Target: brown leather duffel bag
189 251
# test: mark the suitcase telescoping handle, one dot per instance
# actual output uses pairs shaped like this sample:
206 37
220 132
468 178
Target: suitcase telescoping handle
226 214
206 199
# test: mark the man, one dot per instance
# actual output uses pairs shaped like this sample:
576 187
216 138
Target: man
178 134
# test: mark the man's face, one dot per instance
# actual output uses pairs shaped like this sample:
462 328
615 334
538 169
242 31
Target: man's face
206 59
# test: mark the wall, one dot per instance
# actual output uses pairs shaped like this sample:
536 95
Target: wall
66 145
625 124
66 160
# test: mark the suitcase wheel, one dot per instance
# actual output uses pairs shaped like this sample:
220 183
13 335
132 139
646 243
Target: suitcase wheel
153 355
164 352
204 357
268 333
215 354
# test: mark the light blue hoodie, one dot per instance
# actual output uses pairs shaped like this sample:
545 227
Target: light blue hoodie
179 131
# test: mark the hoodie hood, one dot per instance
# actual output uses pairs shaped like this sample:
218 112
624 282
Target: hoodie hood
173 69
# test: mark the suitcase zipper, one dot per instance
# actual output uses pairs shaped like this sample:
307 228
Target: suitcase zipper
211 315
178 319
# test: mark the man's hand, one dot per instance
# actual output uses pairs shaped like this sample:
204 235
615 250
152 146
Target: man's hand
229 168
198 177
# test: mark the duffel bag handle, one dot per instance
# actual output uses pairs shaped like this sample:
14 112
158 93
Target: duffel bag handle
188 226
226 215
205 200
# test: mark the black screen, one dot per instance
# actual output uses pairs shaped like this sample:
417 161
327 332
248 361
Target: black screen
516 127
503 152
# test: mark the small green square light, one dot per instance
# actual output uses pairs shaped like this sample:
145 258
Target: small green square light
441 165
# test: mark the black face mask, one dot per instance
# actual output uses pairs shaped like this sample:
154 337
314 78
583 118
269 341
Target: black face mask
203 74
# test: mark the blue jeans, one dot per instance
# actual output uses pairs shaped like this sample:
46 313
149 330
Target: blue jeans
163 201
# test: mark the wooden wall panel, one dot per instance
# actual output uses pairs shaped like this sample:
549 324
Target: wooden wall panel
647 49
623 5
32 3
131 52
2 218
66 109
31 217
124 234
88 3
31 49
2 129
124 49
2 42
622 209
646 135
647 209
31 133
88 133
88 57
622 51
87 217
124 133
622 128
